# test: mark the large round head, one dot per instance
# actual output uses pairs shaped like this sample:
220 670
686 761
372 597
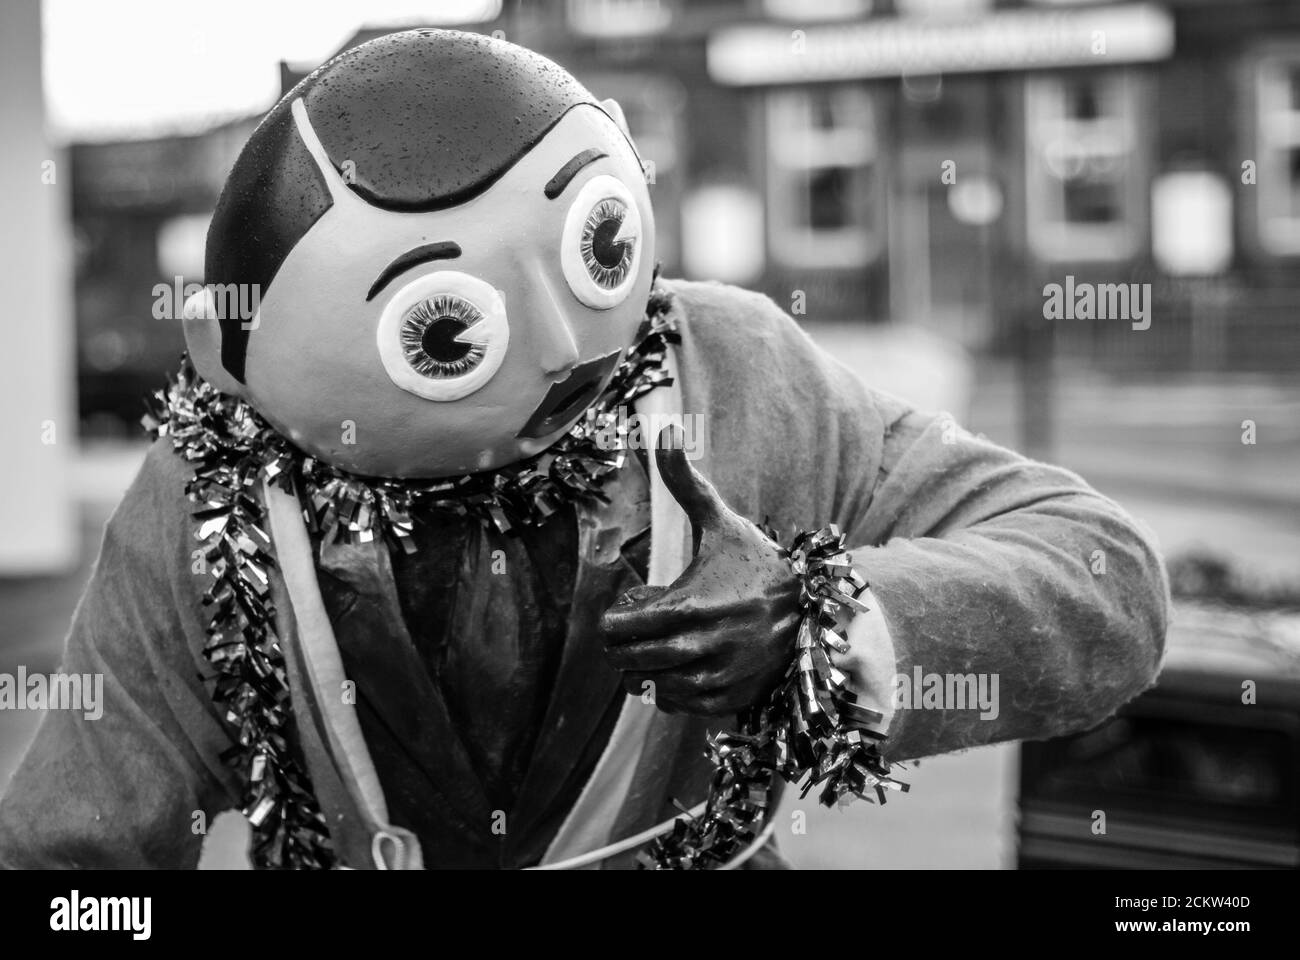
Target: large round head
428 259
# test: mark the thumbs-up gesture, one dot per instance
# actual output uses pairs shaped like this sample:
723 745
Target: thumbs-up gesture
720 637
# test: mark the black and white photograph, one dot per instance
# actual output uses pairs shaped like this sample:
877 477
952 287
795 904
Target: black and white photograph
815 436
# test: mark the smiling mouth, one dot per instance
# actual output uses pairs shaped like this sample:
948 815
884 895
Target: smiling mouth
569 397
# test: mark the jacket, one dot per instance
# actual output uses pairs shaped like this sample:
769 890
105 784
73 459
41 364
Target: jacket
980 561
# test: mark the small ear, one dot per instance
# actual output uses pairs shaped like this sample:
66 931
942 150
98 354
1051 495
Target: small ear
203 339
615 112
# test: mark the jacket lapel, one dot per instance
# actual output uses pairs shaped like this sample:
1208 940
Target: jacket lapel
585 697
391 680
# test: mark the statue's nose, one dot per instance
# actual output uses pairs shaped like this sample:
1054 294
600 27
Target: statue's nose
557 351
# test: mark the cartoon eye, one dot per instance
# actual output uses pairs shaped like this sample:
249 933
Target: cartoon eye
443 335
606 251
601 243
433 337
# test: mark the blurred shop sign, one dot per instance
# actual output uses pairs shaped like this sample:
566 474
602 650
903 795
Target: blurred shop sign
768 53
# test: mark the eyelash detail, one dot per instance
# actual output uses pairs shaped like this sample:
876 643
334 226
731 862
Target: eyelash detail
594 244
429 332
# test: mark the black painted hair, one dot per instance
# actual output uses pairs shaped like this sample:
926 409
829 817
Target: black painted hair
428 119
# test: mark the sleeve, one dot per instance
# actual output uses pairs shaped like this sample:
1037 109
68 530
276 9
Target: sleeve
1016 601
984 566
121 785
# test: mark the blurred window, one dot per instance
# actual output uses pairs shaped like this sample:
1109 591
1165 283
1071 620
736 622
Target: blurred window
1191 223
619 18
823 180
804 10
1278 132
181 244
652 106
722 233
1084 187
942 8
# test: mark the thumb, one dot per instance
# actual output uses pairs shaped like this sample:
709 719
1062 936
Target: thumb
696 495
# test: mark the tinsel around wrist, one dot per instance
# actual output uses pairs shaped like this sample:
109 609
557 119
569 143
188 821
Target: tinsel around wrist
811 729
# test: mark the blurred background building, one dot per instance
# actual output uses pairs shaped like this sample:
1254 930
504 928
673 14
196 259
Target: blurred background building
905 177
933 163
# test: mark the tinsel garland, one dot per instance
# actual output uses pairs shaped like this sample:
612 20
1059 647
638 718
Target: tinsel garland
234 450
811 728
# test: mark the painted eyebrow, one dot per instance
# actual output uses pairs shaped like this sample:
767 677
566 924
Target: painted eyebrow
442 250
555 186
